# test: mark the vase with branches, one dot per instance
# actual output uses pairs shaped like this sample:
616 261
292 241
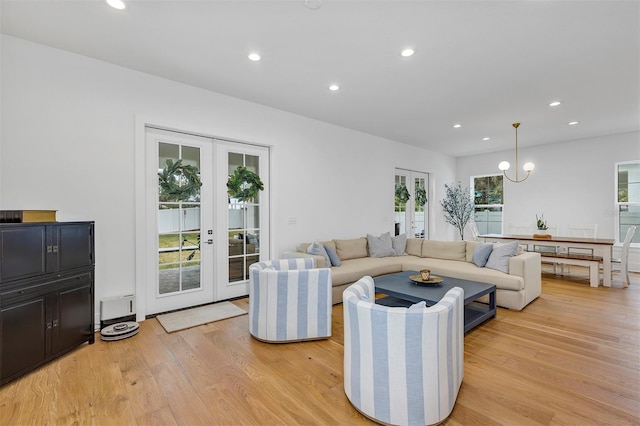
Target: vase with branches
457 206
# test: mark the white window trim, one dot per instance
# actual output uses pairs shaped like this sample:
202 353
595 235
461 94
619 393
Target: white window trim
616 211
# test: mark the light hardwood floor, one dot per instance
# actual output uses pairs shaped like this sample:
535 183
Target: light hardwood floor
572 357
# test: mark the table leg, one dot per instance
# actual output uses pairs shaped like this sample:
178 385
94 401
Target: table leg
594 274
606 266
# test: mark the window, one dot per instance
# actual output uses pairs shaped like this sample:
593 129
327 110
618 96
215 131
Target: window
488 198
628 199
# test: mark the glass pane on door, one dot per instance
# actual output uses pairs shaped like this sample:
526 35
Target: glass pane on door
179 219
400 218
244 219
420 203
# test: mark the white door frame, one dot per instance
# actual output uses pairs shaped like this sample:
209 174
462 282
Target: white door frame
141 253
410 213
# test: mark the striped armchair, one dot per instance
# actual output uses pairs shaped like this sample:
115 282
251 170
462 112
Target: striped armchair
402 366
289 301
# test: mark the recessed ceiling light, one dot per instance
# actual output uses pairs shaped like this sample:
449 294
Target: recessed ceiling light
334 87
486 139
457 126
554 103
573 123
254 57
407 52
116 4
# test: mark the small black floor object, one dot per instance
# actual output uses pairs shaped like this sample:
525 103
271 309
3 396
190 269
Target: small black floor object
119 331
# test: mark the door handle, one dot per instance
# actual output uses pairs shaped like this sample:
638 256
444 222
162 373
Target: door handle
209 241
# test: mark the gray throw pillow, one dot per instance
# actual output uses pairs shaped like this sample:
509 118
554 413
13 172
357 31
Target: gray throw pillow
380 246
333 256
399 244
499 258
481 254
317 249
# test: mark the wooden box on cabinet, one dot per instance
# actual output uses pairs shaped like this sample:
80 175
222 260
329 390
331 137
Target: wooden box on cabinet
46 293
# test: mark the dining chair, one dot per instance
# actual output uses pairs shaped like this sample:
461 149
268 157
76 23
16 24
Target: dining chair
580 231
520 229
623 261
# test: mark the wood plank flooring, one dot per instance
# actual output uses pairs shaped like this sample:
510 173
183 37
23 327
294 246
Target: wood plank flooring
572 357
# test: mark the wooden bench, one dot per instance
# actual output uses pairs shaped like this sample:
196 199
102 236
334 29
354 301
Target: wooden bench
592 262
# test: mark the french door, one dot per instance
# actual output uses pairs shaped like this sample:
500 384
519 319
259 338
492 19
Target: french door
194 250
411 203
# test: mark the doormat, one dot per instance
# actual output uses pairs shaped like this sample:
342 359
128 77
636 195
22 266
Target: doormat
188 318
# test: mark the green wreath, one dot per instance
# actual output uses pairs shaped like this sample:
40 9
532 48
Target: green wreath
178 182
244 184
402 194
421 196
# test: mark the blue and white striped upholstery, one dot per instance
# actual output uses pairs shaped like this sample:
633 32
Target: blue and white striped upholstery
402 366
289 300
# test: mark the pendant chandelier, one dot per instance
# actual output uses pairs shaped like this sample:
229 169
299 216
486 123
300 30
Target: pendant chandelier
504 165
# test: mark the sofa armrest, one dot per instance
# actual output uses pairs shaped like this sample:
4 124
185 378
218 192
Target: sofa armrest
528 266
320 263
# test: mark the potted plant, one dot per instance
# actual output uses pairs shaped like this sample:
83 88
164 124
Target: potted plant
457 206
541 224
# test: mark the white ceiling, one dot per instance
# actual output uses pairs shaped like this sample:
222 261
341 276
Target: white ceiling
484 64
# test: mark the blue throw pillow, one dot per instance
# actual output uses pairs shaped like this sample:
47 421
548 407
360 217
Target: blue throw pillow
481 254
499 258
333 256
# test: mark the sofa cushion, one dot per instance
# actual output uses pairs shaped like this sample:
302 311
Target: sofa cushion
449 250
351 249
318 249
414 246
481 254
381 246
465 271
499 259
471 248
353 269
399 243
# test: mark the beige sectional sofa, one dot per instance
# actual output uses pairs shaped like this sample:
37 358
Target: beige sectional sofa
514 290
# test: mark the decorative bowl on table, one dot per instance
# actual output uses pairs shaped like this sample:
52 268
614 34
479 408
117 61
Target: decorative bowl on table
433 280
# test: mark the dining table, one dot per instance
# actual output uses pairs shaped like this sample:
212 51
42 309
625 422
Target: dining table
601 248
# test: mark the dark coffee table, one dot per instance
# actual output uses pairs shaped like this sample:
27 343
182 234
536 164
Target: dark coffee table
404 292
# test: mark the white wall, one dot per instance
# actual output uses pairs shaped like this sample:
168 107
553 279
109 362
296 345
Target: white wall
573 182
68 139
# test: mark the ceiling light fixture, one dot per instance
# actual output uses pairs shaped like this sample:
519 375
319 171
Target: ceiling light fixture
334 87
573 123
254 57
407 52
116 4
313 4
554 103
504 165
486 139
457 126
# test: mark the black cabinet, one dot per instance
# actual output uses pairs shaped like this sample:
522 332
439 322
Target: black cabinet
46 293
